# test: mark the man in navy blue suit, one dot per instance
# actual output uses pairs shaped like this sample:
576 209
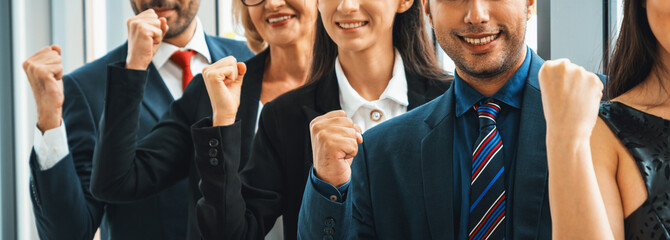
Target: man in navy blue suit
166 39
470 164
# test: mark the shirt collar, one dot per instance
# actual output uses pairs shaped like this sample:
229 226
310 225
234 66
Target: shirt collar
197 43
510 93
396 90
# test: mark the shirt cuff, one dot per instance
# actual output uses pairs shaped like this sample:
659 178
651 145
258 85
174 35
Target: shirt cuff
327 190
51 147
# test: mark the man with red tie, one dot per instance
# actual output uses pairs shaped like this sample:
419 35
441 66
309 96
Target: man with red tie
166 40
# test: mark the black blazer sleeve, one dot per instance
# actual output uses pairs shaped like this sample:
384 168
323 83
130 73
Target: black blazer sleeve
62 204
244 205
125 169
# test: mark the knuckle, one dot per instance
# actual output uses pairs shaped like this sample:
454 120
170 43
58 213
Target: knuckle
27 64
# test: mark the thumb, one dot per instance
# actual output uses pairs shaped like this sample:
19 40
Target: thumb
359 137
241 70
56 48
164 26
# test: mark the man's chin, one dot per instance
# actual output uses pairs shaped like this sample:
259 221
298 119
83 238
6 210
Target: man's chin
479 72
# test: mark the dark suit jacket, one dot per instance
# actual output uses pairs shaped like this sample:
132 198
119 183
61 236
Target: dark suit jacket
246 205
127 168
63 205
401 182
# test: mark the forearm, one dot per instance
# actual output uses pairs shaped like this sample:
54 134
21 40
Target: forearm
577 208
223 212
115 149
62 206
125 169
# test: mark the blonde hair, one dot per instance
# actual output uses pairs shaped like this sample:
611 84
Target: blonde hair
242 18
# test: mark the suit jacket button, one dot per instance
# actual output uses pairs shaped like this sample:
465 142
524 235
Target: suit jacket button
329 230
330 222
213 142
328 237
214 161
213 152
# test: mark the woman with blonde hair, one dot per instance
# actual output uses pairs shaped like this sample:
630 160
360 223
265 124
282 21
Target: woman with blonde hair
127 169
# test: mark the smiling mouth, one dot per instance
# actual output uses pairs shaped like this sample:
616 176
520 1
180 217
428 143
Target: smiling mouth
480 41
352 25
279 19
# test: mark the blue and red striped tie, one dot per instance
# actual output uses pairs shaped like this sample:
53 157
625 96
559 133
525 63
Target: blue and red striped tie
487 187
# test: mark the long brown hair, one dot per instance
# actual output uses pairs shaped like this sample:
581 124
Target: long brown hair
635 54
409 37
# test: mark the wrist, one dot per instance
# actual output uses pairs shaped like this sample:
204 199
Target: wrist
335 181
223 119
137 65
45 123
568 135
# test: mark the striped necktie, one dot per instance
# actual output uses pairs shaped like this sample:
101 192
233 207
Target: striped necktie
487 189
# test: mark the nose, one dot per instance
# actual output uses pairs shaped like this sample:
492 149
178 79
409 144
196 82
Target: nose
477 13
348 6
274 5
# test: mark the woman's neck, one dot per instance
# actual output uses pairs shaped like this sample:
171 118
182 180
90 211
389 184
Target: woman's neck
290 63
368 71
653 94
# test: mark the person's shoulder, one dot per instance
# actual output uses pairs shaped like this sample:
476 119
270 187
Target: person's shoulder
436 87
442 83
227 41
293 100
236 48
407 126
93 75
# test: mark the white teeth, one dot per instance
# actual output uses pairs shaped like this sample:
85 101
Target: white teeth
351 25
278 19
481 41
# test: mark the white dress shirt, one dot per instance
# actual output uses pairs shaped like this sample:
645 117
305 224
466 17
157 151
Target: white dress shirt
51 147
367 114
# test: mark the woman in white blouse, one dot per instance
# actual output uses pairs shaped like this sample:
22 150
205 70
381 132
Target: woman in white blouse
373 61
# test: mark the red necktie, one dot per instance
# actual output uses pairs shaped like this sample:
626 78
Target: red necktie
183 60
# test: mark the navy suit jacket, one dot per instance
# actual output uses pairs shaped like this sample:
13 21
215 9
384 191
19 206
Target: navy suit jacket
401 186
62 203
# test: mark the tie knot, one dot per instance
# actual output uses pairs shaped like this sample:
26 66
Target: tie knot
182 58
487 110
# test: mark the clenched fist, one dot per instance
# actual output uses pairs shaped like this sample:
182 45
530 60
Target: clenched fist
335 140
223 80
570 97
44 70
145 33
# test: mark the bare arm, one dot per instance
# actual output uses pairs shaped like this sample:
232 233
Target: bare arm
570 97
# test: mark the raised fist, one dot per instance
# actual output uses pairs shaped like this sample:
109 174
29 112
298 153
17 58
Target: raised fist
570 97
335 140
223 80
145 33
44 70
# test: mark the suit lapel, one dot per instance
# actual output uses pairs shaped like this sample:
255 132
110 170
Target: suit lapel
251 90
437 168
530 180
250 97
157 97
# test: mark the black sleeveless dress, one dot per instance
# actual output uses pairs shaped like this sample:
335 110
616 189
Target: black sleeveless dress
647 138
